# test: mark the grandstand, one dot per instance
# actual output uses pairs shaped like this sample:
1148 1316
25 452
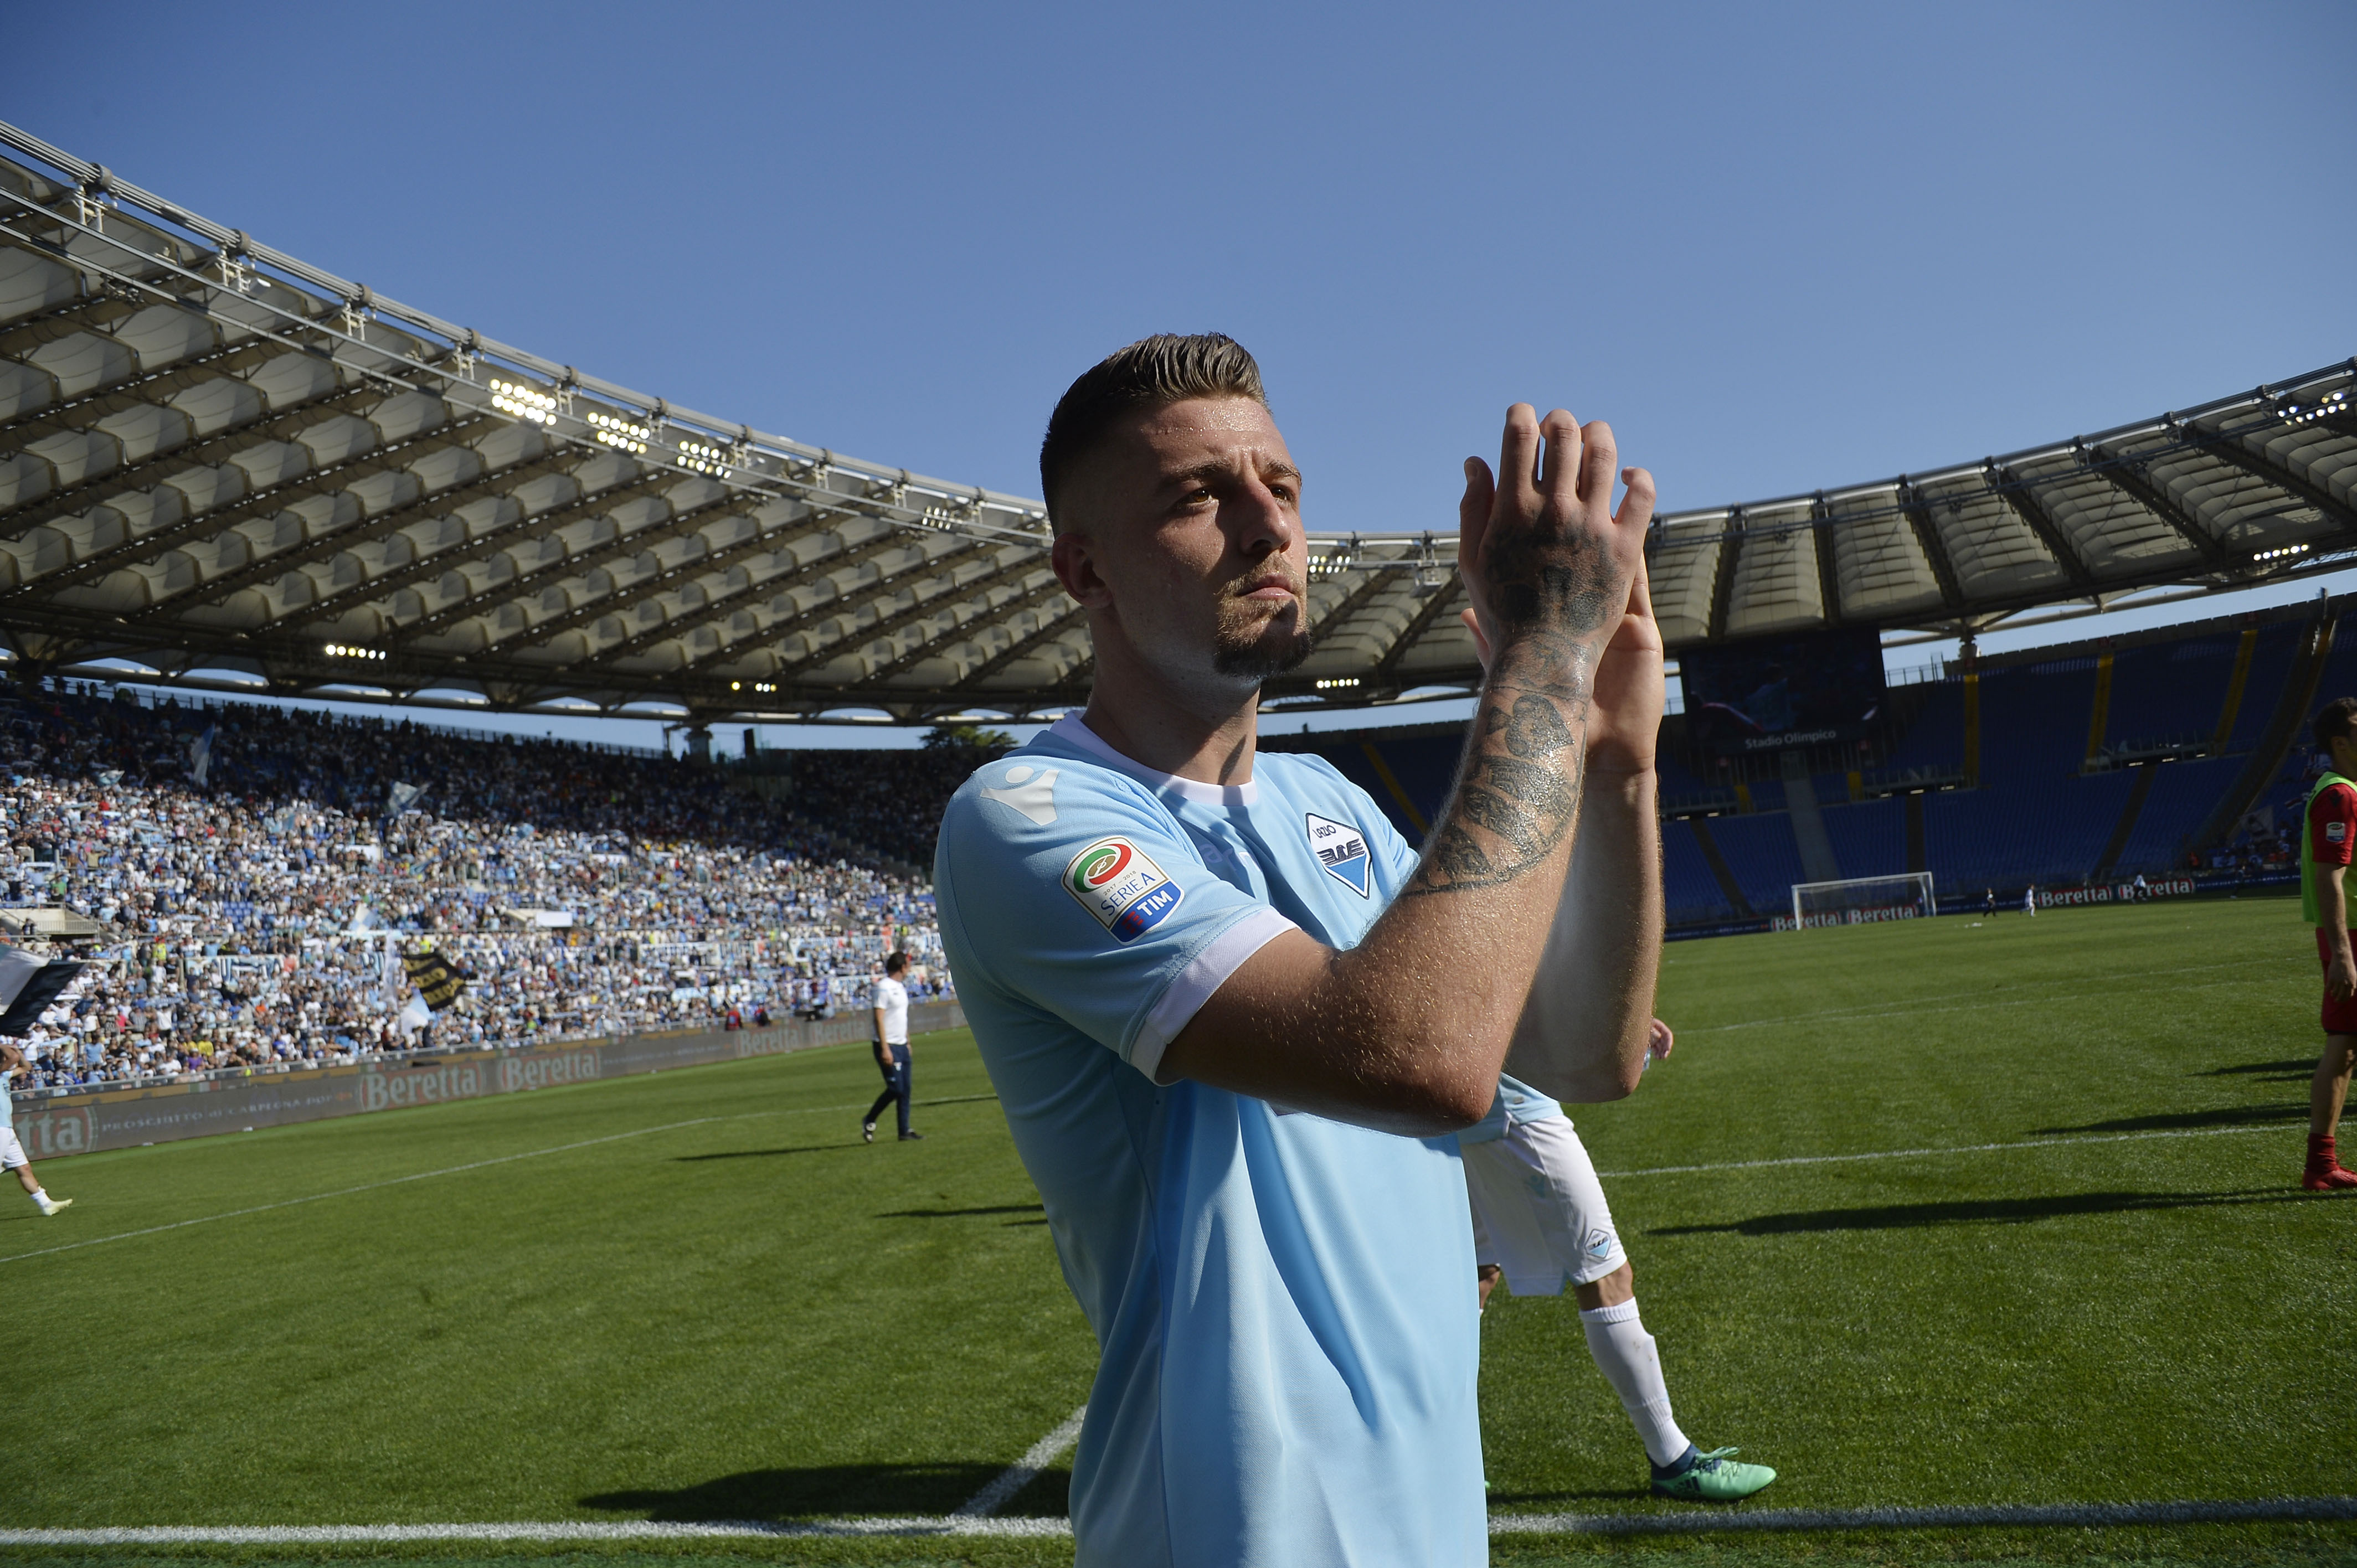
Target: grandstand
225 471
222 466
247 911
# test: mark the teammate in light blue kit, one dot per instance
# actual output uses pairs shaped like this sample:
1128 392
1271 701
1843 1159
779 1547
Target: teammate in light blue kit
1233 1019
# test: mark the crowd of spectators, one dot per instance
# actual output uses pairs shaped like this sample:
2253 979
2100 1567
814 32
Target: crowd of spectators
246 881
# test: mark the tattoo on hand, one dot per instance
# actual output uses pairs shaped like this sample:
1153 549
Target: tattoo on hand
1536 585
1518 796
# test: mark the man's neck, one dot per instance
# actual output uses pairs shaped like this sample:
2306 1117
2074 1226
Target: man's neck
1208 737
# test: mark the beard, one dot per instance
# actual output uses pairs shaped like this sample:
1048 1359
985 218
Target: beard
1256 652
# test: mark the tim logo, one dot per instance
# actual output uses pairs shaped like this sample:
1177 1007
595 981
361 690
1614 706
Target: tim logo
1341 849
1120 884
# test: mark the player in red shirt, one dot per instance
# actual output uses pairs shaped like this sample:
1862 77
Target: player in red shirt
2327 835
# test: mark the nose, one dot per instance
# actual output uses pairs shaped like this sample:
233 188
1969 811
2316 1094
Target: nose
1259 520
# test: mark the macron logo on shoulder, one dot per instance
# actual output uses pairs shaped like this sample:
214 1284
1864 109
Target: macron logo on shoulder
1027 790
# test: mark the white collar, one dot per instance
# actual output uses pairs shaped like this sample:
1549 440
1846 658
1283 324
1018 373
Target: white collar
1074 732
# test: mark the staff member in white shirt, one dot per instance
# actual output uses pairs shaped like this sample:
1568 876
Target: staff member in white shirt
892 1048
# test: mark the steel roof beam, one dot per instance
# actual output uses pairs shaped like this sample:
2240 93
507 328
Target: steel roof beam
324 480
1722 582
1926 529
151 390
886 626
366 531
98 312
1443 598
2022 496
540 527
721 605
1820 546
2231 449
270 425
932 646
2127 475
1021 648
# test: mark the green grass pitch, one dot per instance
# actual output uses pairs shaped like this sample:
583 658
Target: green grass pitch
700 1296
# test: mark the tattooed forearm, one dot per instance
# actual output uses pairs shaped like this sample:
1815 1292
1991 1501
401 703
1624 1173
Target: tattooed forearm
1517 796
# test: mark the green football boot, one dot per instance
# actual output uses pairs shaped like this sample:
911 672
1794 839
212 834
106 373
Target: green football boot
1712 1478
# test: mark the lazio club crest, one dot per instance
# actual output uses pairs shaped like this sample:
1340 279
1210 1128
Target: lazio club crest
1341 849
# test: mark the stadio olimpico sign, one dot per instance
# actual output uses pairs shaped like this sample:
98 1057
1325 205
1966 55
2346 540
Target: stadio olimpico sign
83 1121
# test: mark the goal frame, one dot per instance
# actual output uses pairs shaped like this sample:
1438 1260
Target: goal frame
1925 895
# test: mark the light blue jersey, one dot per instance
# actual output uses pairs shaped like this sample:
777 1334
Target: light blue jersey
1284 1304
1516 1101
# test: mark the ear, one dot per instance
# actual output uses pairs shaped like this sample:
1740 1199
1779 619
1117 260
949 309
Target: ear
1075 560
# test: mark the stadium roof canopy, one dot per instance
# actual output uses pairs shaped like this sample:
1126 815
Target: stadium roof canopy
220 466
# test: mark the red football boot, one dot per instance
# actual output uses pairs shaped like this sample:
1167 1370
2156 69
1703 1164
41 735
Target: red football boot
2324 1173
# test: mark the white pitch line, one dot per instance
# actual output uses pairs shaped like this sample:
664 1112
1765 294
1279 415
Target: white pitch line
2063 1516
1920 1154
1698 1521
1020 1474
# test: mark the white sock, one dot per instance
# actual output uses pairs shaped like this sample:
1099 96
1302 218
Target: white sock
1624 1353
40 1199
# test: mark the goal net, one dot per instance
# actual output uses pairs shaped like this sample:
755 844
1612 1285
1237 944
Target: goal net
1855 900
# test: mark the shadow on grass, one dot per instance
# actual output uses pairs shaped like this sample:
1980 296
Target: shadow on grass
830 1491
962 1213
2297 1070
1999 1210
764 1154
2181 1121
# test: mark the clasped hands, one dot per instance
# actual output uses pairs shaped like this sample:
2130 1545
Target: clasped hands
1547 561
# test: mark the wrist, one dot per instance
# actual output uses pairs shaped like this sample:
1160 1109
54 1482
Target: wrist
1630 786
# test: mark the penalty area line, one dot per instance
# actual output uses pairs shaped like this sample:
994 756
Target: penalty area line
1699 1522
1921 1154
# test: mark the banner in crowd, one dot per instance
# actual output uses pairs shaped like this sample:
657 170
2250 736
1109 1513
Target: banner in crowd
81 1121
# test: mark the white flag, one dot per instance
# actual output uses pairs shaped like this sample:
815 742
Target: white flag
401 797
415 1016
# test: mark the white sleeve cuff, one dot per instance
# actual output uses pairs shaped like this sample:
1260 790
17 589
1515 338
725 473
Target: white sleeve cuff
1221 957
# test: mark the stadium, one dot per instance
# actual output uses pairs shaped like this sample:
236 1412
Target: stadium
552 1054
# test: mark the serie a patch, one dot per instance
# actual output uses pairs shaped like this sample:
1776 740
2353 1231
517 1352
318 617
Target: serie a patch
2335 833
1120 884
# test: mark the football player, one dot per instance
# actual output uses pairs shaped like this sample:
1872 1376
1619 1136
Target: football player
2327 832
1540 1220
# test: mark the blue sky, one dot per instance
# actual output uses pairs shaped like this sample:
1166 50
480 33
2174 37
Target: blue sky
1779 248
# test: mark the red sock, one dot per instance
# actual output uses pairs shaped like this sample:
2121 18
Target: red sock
2320 1155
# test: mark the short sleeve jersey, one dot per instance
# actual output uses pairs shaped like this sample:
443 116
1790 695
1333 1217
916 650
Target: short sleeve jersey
892 1000
2332 825
1282 1304
1518 1102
